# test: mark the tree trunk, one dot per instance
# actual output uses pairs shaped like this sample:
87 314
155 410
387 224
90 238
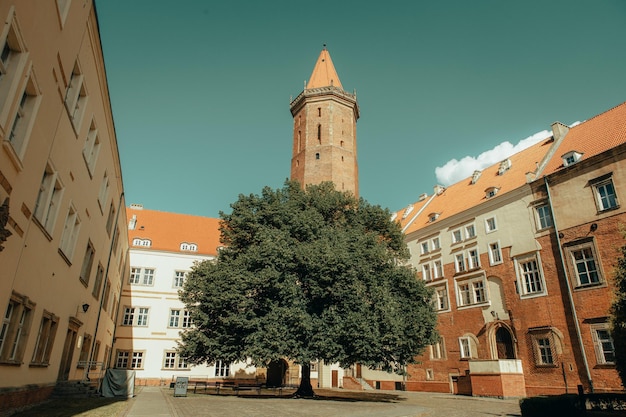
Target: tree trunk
305 389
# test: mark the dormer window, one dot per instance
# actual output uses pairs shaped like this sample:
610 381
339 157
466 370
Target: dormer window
433 217
192 247
142 242
504 166
132 223
475 176
571 158
407 211
491 192
393 216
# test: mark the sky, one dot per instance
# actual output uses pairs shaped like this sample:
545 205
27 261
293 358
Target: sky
200 90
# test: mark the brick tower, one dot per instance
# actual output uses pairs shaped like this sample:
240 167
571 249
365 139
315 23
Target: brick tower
324 130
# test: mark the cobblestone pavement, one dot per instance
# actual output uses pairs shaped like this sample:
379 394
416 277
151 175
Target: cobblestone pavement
340 403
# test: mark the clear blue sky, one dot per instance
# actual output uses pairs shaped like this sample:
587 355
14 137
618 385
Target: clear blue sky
200 90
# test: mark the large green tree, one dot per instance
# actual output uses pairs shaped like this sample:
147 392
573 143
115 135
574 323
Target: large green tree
618 316
308 275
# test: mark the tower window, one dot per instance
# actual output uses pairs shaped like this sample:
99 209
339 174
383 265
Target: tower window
319 133
319 112
317 156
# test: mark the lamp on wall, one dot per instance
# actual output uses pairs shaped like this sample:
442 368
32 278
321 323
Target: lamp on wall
85 307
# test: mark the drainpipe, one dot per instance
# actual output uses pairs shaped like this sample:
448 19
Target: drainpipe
104 287
569 289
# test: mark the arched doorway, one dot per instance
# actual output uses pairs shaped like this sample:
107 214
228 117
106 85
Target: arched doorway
276 372
504 343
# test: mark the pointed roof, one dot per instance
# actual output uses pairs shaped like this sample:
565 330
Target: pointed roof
324 74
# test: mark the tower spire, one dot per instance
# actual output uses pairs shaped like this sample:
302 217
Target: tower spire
324 73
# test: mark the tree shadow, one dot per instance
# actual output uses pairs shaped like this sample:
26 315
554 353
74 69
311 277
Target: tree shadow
69 407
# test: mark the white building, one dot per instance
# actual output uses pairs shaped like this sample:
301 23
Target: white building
163 248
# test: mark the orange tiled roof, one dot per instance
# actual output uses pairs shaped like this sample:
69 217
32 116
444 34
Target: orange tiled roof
167 231
592 137
324 74
464 195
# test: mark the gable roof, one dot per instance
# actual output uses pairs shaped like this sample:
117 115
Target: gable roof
466 193
592 137
167 231
324 74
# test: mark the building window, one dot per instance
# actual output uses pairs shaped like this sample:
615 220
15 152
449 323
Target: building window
91 149
530 276
437 269
473 258
45 339
606 199
179 279
85 348
127 359
76 97
97 285
457 236
603 344
135 316
192 247
426 272
437 350
110 219
459 262
48 199
435 243
24 118
440 298
142 242
175 318
15 327
319 134
546 346
103 195
85 272
468 347
585 266
490 225
491 192
425 248
495 254
544 216
70 233
141 276
470 231
317 156
571 158
222 369
172 360
471 292
11 56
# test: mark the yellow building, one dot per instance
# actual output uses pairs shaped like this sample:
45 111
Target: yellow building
63 249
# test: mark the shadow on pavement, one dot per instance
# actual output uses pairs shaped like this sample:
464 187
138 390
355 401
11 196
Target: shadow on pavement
74 407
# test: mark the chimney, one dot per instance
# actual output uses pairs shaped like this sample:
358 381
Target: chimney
559 130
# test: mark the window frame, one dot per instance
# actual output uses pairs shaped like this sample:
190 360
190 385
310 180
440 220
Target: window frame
222 368
581 246
48 199
599 343
468 347
141 276
492 260
612 202
135 316
543 216
536 275
438 350
471 296
16 323
71 229
45 339
488 227
175 359
441 298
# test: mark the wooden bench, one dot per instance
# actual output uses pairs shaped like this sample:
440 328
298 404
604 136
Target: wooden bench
248 387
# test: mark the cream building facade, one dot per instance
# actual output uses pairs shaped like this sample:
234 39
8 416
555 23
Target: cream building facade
64 251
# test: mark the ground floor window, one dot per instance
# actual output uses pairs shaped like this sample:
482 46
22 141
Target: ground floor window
222 369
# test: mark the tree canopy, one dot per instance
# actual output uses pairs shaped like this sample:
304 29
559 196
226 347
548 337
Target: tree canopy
618 316
308 275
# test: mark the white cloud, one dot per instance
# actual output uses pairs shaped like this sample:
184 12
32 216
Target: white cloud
455 170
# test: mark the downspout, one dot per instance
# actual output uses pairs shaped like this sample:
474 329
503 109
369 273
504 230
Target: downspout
569 289
104 287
